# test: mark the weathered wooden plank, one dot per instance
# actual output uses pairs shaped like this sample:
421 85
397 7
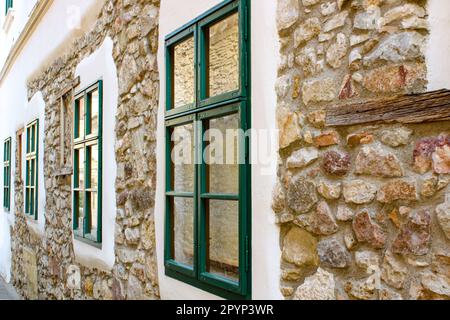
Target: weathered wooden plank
70 87
417 108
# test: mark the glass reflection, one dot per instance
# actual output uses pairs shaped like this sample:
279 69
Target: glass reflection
223 55
183 158
184 73
223 244
183 219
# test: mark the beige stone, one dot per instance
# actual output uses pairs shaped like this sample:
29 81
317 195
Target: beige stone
375 161
309 29
397 190
395 78
288 124
328 8
359 192
344 214
397 48
336 21
288 12
361 289
307 59
367 260
320 286
329 190
368 19
337 51
394 272
441 160
315 91
396 137
300 248
403 11
443 216
302 158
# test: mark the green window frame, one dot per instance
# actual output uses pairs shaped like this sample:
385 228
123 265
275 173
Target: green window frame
8 5
32 170
7 175
87 173
199 113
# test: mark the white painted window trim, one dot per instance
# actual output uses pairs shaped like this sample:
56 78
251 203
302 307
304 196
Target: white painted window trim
9 18
35 110
100 65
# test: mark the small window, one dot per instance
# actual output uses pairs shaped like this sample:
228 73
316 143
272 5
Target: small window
87 159
207 170
8 5
32 169
7 175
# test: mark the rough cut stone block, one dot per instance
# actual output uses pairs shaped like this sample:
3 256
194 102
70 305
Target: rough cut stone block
300 248
320 286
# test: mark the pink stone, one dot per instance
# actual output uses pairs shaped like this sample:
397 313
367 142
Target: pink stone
441 160
424 150
415 235
336 163
378 162
322 220
368 231
347 90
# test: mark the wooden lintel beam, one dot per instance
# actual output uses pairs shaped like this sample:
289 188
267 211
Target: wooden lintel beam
416 108
75 83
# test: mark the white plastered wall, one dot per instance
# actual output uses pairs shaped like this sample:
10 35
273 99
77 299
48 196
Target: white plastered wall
265 233
35 110
100 66
50 39
438 49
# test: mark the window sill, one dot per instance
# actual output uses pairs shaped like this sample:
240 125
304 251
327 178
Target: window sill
34 226
9 18
89 242
220 292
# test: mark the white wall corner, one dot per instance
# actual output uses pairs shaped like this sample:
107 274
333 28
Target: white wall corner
9 18
438 47
100 65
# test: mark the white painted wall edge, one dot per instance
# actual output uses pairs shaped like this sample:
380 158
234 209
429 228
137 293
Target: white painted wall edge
100 65
265 237
438 47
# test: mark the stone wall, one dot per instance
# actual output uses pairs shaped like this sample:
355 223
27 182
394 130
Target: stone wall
364 210
44 266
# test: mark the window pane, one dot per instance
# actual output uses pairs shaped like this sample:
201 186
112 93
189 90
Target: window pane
183 230
79 114
27 170
93 163
32 172
94 100
79 207
80 158
32 199
28 140
91 197
183 73
223 244
33 139
223 55
222 154
27 200
182 157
